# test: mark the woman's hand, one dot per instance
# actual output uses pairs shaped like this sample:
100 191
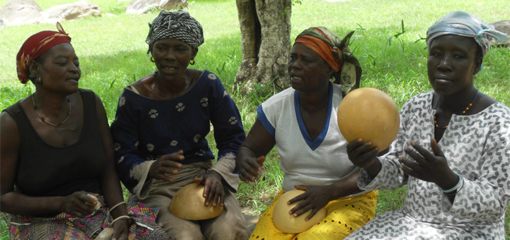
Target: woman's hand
361 154
429 166
166 164
315 198
120 229
213 190
79 204
250 168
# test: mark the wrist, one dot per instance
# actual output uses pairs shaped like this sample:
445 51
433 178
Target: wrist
374 168
450 183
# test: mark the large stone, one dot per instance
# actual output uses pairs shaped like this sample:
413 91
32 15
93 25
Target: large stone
17 12
70 11
143 6
503 26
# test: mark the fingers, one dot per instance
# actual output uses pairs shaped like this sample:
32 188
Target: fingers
426 154
409 165
435 148
352 145
198 180
414 155
298 198
362 155
302 188
249 169
213 191
301 208
176 156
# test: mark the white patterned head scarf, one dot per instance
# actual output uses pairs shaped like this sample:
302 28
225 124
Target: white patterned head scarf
177 25
467 25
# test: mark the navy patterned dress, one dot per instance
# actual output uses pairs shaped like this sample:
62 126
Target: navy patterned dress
477 147
145 129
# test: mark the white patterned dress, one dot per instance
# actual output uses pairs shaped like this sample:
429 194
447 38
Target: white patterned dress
477 147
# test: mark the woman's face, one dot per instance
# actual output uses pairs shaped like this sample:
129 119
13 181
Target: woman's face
59 68
172 57
452 63
308 71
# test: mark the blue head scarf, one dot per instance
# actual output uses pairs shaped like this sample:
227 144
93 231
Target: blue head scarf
466 25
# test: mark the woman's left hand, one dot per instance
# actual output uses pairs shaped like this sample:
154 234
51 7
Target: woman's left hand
314 198
213 190
120 229
428 166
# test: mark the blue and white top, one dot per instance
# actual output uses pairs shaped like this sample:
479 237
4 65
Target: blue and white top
305 161
145 129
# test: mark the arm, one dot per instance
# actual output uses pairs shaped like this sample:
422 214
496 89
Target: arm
16 203
110 184
228 134
317 197
486 196
135 172
252 152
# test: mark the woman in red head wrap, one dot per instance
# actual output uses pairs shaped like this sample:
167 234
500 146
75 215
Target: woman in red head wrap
58 177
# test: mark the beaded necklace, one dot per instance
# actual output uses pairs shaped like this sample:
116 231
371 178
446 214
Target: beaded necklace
49 123
463 112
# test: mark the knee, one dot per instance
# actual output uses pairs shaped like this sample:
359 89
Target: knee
186 235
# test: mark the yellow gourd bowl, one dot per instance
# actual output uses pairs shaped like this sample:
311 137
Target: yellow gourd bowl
370 114
287 223
188 203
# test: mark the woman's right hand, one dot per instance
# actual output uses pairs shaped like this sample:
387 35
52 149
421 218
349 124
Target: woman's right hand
79 204
362 154
250 168
166 164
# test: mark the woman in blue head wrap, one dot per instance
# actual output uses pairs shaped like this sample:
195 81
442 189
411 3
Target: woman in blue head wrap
452 150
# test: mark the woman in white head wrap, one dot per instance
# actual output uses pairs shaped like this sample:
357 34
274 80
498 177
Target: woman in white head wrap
452 150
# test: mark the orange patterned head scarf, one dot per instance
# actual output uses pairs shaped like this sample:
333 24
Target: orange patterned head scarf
316 39
336 52
36 45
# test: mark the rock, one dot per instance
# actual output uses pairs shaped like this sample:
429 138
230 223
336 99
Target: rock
70 11
504 27
2 24
18 12
143 6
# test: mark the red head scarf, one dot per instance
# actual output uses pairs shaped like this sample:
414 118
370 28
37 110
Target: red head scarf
36 45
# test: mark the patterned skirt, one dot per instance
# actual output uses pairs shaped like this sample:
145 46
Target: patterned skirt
65 226
344 216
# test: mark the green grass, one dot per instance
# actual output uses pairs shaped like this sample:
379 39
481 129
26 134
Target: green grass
112 53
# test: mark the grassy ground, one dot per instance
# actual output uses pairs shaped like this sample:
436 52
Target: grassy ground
112 53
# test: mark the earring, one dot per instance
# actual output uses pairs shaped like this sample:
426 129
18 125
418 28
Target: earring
152 59
38 80
192 62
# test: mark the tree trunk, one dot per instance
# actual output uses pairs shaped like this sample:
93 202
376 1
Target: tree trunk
265 32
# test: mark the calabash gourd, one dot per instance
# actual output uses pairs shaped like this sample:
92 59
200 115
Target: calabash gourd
286 222
370 114
188 203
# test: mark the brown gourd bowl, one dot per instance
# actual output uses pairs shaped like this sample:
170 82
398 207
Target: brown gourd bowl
188 203
370 114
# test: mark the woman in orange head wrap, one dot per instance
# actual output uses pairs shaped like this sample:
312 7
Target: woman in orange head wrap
301 122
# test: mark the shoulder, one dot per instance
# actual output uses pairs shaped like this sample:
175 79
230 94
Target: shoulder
420 101
7 120
8 124
142 85
283 96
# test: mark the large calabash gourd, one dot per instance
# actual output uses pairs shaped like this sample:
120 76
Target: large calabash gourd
188 203
286 222
370 114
